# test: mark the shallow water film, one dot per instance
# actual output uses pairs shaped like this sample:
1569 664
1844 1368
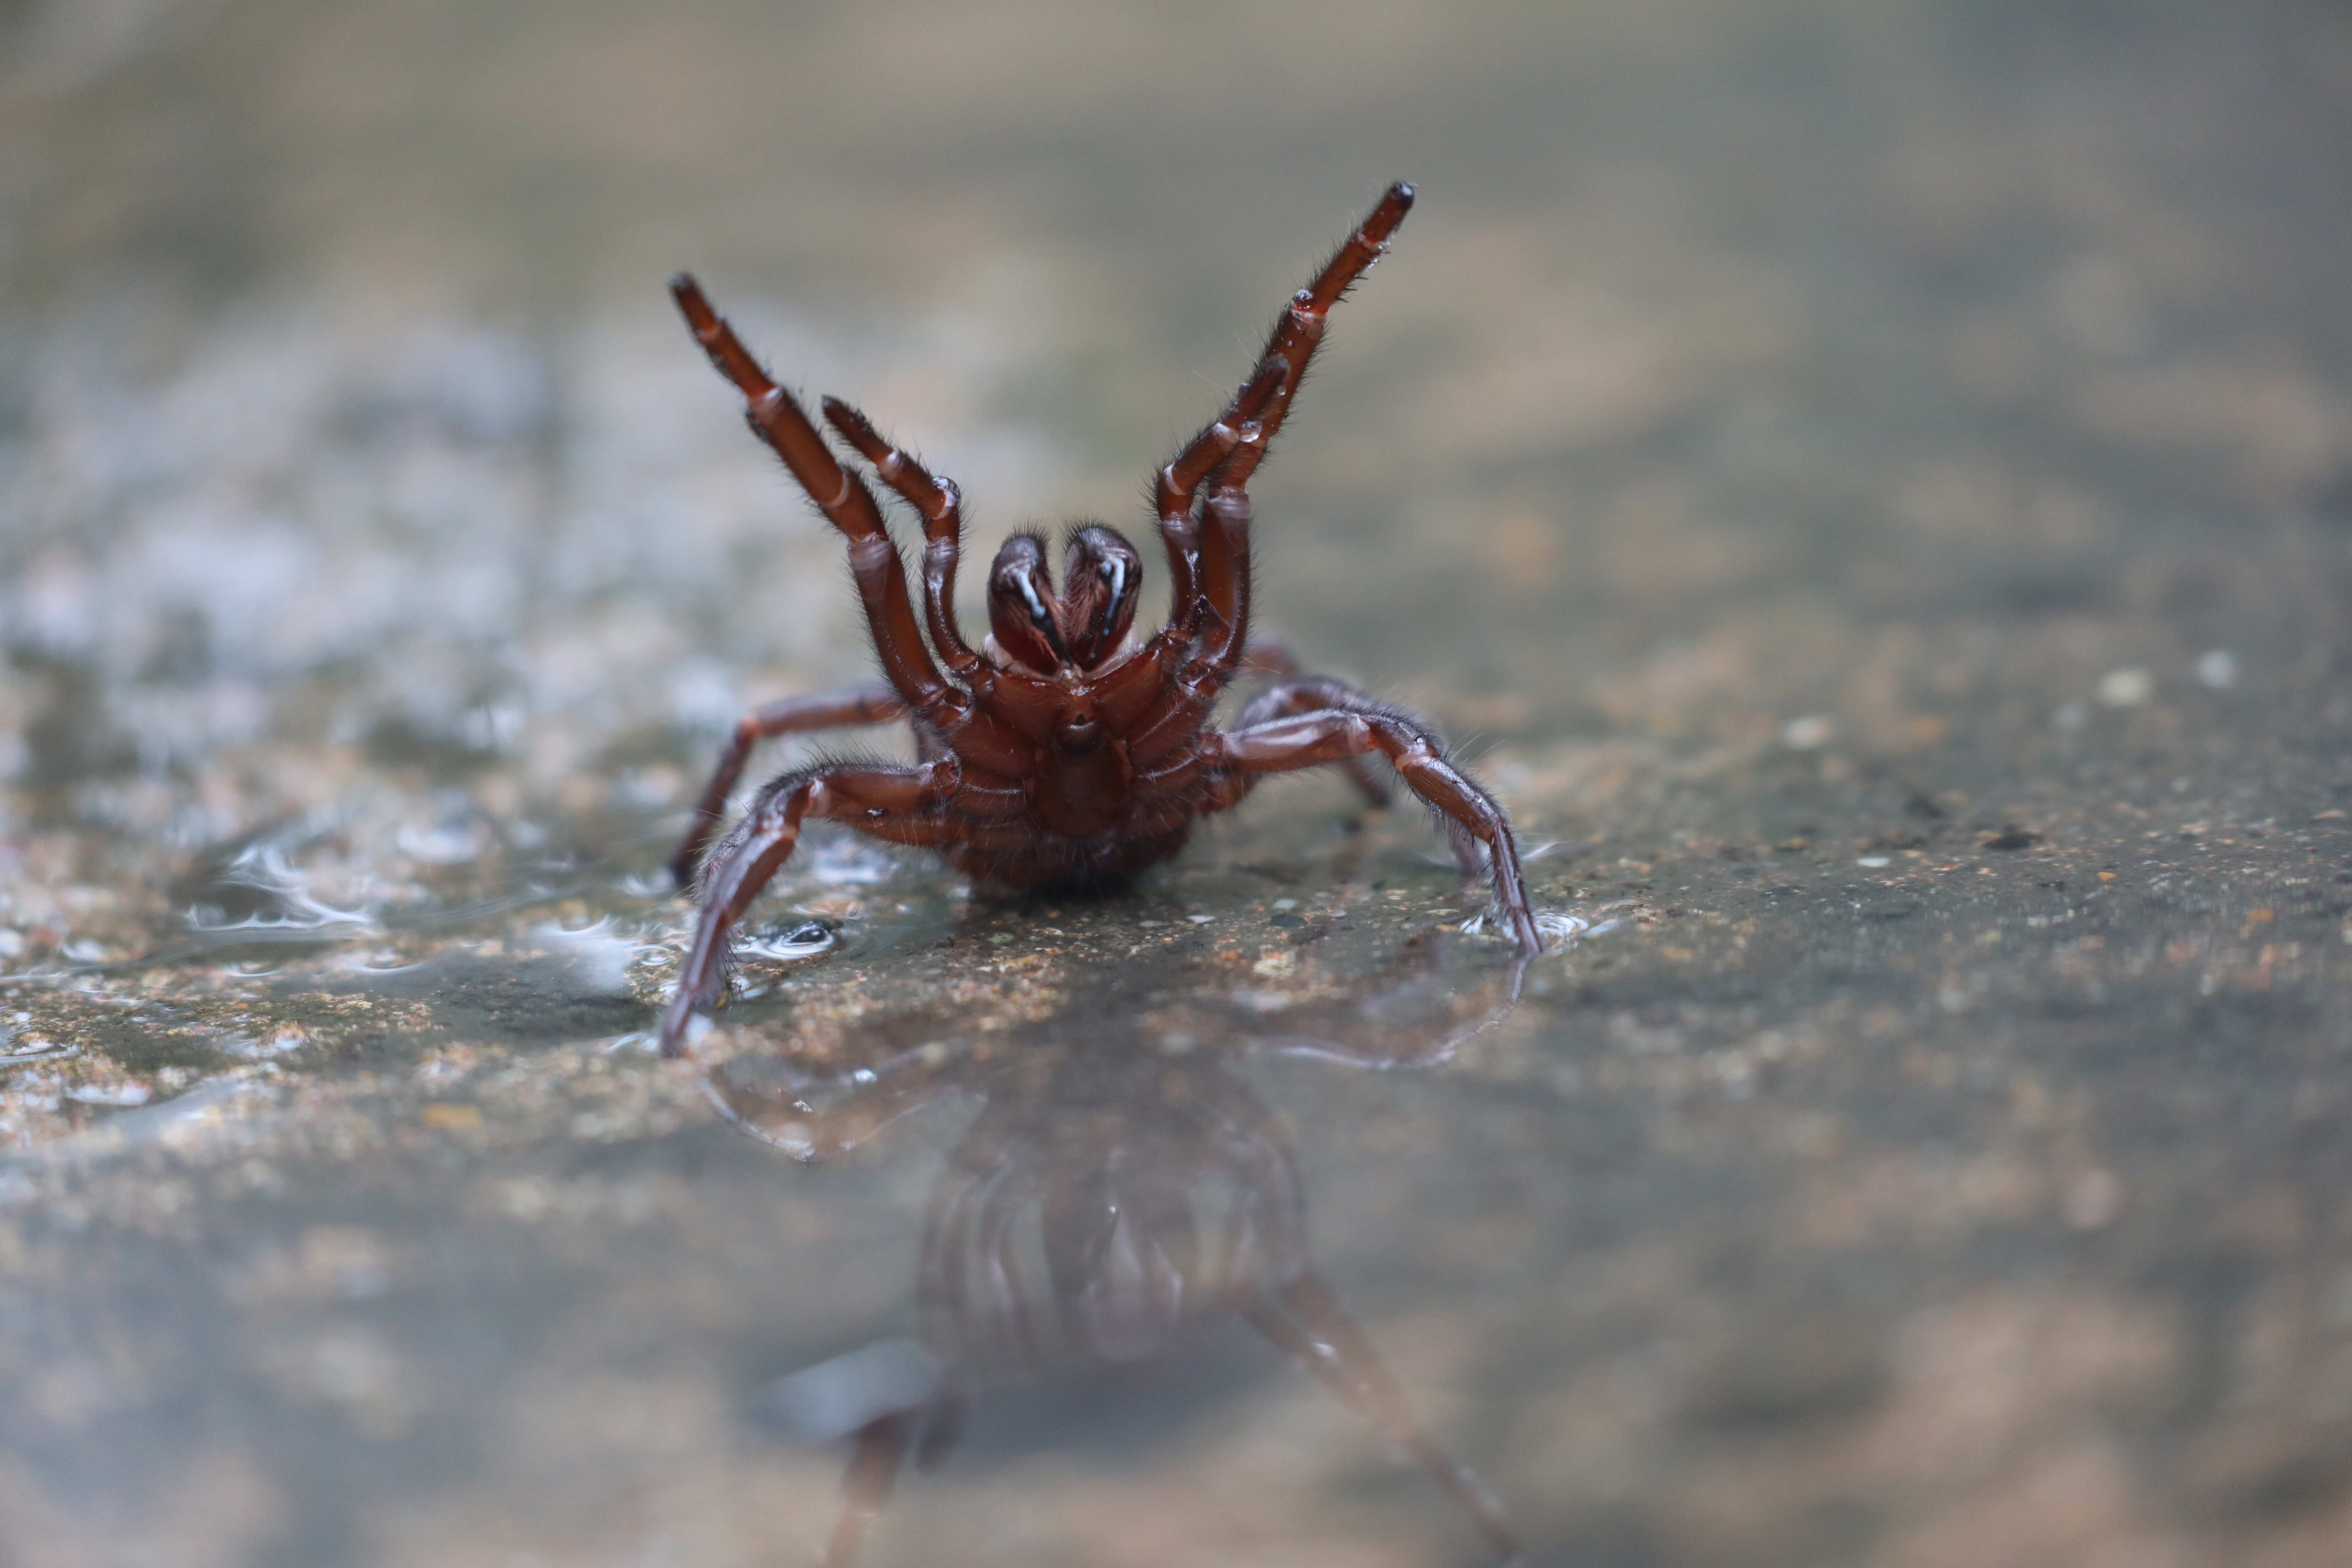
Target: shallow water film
1869 485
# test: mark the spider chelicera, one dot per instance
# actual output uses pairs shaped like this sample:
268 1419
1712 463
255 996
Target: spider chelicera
1060 752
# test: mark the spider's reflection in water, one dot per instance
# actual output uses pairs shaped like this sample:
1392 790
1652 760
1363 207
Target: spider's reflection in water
1121 1184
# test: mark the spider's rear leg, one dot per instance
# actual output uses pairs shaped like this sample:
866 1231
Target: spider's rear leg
895 803
1357 730
875 704
1272 656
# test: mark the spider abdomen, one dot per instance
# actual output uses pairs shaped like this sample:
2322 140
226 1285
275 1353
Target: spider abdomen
1080 794
1035 860
1086 817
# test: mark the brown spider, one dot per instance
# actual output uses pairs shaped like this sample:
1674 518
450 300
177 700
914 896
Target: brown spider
1061 753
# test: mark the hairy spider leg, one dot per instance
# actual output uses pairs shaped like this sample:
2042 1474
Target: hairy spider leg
791 716
1314 693
1274 656
839 493
1175 486
1229 451
1358 729
1213 613
976 735
1298 331
940 503
895 803
1297 334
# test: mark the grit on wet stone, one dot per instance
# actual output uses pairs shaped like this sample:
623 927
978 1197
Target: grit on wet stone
1870 489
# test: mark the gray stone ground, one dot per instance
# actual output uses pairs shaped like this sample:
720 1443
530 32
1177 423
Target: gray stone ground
1871 486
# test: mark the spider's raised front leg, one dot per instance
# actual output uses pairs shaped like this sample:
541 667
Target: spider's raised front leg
1174 486
1298 333
1352 725
1210 559
874 561
791 716
938 501
895 803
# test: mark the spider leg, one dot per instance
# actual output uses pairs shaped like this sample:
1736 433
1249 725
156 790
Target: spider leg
1299 329
1175 485
1025 702
939 504
850 507
1297 333
1272 656
791 716
1358 729
1175 708
887 803
1212 563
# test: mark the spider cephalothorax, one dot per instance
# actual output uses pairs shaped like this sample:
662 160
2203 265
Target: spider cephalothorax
1059 751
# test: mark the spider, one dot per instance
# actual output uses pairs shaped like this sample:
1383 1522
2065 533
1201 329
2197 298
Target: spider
1061 750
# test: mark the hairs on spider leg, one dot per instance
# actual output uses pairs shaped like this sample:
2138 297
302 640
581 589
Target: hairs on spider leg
781 783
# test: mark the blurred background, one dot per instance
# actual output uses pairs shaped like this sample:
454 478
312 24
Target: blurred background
1788 434
348 407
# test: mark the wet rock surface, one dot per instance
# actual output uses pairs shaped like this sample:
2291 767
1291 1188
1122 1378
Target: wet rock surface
1868 487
